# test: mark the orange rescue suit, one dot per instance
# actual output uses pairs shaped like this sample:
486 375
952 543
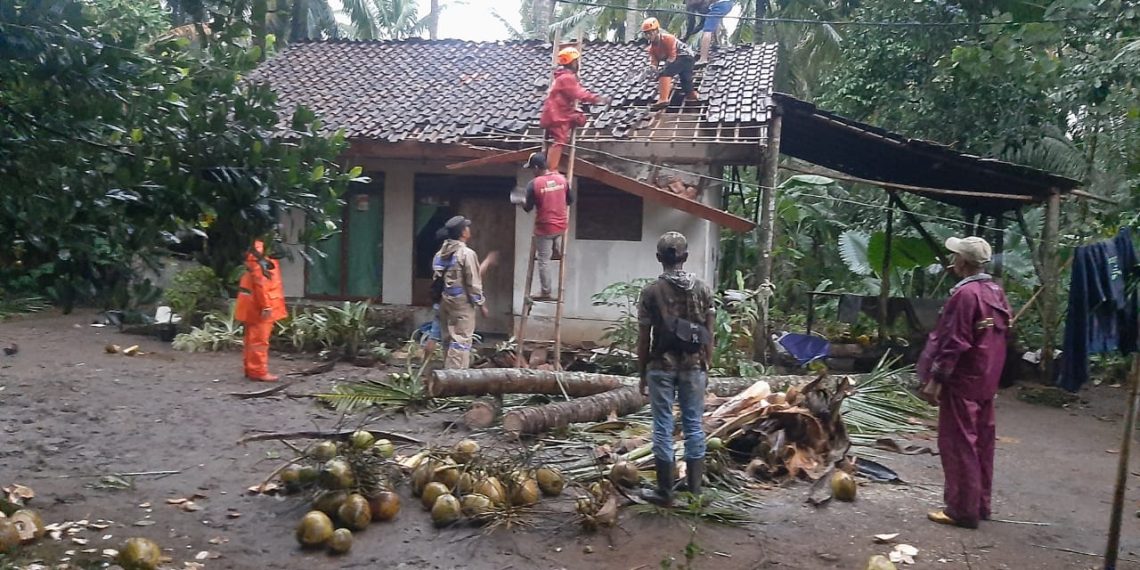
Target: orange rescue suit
260 289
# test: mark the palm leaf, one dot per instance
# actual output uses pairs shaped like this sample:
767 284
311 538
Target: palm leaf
853 251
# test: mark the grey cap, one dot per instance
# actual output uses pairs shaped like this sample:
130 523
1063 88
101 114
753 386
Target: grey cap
455 226
672 244
536 160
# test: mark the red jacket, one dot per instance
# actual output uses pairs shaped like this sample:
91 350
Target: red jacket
561 106
551 195
260 288
966 350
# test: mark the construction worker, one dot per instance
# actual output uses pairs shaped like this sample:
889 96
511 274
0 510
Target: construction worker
550 193
669 56
560 112
674 350
712 12
433 332
260 303
456 270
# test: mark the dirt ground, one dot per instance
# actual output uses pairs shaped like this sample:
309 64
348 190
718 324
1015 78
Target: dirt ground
70 414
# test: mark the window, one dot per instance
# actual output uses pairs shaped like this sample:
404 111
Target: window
608 214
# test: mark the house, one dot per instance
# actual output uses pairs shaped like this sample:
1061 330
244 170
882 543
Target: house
413 108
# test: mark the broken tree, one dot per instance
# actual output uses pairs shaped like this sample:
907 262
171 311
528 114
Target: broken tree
537 419
499 381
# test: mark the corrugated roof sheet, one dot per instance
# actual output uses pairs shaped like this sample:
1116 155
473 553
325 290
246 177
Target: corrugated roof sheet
450 90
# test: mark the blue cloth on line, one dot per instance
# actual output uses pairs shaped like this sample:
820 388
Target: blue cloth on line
805 347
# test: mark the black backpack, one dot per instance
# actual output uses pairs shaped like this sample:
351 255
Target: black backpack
682 335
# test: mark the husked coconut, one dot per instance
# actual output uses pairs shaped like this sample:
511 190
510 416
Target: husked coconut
28 524
493 489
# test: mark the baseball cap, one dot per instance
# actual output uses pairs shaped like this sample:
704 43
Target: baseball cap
973 249
672 244
455 226
536 160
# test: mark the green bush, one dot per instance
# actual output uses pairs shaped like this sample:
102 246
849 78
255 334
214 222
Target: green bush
194 291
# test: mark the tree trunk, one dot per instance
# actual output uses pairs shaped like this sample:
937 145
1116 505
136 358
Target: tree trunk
433 20
757 25
258 12
482 414
542 15
537 419
498 381
632 15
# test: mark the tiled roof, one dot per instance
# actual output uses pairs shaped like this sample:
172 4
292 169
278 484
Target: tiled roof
450 90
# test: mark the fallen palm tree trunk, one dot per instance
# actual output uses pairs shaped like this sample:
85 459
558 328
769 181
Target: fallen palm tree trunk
537 419
499 381
482 414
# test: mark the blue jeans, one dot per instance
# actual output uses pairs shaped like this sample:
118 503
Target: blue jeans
717 12
689 388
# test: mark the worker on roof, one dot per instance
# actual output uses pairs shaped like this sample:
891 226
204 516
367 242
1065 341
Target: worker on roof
712 13
550 193
669 56
260 303
560 112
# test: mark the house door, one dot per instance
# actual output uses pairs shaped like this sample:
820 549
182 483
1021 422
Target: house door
486 202
352 267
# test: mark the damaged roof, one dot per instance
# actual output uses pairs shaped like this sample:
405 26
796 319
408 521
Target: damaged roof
446 91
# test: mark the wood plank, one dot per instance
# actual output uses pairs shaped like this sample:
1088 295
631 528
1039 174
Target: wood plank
506 157
649 192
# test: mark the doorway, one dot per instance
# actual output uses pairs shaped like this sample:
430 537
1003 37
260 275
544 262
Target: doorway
353 263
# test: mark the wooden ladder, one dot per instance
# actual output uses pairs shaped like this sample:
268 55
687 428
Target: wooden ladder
560 293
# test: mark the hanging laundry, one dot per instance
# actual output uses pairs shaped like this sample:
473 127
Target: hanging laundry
921 314
1102 315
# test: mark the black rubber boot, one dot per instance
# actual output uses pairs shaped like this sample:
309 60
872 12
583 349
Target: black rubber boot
662 496
694 474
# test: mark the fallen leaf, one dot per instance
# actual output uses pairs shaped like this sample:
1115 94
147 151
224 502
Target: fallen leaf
218 540
190 506
907 550
1004 439
207 555
107 537
192 566
266 489
1112 451
19 493
79 541
110 553
98 526
144 505
233 515
177 501
884 538
144 523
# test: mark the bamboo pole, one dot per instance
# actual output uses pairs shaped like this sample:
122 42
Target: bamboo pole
1049 296
1116 518
918 189
885 277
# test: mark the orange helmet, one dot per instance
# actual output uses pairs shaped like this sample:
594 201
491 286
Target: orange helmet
650 24
568 55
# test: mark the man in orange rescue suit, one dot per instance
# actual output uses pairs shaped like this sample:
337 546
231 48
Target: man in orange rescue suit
669 56
260 303
550 193
560 113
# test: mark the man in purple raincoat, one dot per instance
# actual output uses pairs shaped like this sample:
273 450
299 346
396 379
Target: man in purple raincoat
960 367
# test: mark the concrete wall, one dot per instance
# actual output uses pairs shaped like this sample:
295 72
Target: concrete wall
592 264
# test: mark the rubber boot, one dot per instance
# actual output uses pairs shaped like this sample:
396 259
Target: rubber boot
554 156
664 92
694 474
662 496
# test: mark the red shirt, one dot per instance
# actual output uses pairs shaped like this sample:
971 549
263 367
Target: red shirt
966 351
561 106
550 194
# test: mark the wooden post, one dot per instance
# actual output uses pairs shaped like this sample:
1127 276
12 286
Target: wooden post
765 231
1049 297
885 283
999 247
1116 518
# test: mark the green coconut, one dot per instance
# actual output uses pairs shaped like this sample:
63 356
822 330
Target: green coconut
465 451
9 536
625 474
362 439
385 505
715 444
308 475
315 529
355 512
843 486
476 505
341 541
384 448
493 489
466 483
140 554
323 451
525 493
448 474
329 502
550 481
446 510
337 474
432 492
421 476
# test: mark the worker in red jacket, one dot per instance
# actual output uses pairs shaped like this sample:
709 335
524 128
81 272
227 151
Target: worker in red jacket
550 194
669 56
260 303
961 366
560 112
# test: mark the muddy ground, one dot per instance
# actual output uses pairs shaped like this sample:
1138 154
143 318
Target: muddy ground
69 414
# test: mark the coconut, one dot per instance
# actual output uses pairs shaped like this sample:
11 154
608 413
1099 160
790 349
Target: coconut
385 505
355 513
361 439
316 528
715 444
341 541
329 502
525 493
843 486
337 474
493 489
384 448
422 476
465 451
550 481
140 554
307 475
476 505
625 474
9 536
323 451
432 492
466 483
446 510
447 474
29 524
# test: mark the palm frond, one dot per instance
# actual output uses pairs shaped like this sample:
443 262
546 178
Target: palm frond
883 405
399 391
512 31
568 25
361 18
